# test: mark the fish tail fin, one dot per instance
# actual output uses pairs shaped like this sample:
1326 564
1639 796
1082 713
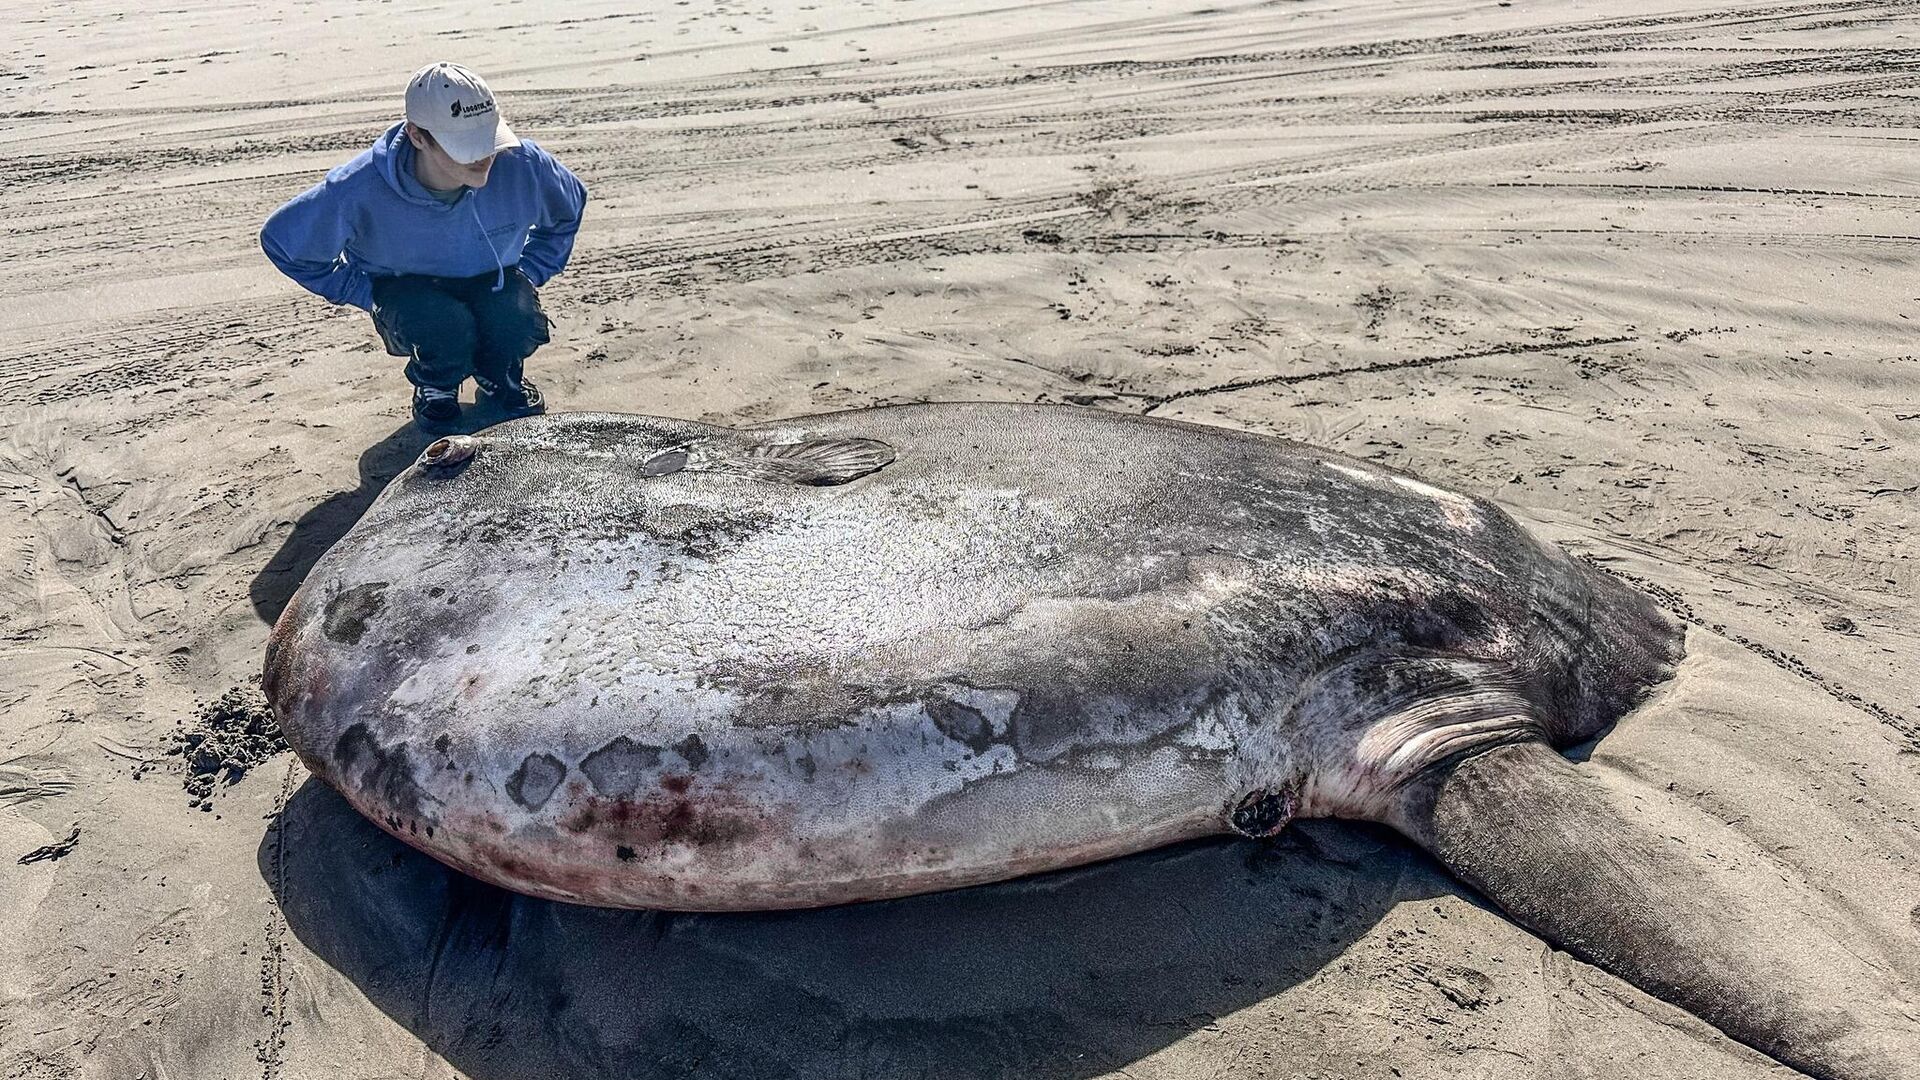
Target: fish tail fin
1591 859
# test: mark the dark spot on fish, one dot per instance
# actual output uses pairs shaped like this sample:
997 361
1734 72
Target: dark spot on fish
677 784
588 814
693 750
436 592
443 743
625 853
962 724
1048 721
683 823
623 817
675 819
382 774
1449 619
1468 617
701 532
1263 813
532 784
474 648
616 768
347 614
274 677
514 867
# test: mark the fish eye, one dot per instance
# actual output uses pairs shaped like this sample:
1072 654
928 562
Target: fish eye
451 450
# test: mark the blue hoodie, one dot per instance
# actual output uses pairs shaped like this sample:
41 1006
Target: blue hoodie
371 218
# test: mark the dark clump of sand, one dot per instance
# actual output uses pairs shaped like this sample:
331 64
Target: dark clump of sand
226 737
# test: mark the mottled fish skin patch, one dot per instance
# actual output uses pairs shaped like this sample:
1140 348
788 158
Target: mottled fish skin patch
617 768
692 750
963 724
383 774
347 614
533 783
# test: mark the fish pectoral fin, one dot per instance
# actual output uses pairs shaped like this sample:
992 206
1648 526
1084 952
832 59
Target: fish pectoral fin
812 462
1591 859
1381 719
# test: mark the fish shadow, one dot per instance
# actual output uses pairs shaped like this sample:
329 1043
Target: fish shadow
321 527
1064 975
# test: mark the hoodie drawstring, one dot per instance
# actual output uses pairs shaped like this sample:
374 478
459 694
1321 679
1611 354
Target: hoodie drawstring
500 278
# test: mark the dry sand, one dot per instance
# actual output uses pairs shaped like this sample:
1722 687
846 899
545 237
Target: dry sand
1640 271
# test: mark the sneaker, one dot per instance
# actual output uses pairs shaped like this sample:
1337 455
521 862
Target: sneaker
436 411
513 401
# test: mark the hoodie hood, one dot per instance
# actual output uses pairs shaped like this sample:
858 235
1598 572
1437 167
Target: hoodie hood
393 157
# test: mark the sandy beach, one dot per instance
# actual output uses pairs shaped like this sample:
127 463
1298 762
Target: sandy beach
1640 272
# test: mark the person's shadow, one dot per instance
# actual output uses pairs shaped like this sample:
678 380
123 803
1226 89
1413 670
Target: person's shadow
1057 977
319 528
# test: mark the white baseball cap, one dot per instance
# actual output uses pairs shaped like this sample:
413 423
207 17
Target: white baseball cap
457 108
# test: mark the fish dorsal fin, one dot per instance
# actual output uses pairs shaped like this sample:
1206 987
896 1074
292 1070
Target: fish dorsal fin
812 462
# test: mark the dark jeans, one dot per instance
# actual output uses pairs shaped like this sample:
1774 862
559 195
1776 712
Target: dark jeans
452 328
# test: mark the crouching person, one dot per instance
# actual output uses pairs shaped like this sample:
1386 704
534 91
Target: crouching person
444 230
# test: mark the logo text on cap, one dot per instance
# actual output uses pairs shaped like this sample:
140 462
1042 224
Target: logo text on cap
478 108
